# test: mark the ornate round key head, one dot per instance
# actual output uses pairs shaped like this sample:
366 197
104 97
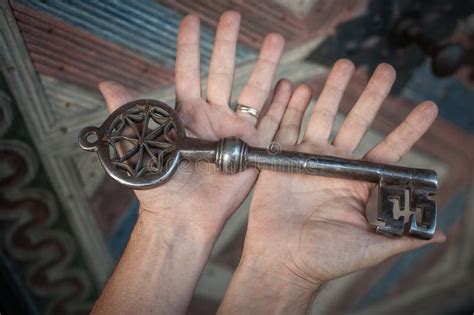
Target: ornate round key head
137 143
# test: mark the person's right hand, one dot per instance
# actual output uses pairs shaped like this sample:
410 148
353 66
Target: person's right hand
305 230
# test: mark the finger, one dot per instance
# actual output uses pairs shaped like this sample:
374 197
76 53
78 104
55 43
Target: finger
404 136
187 71
290 126
221 68
363 113
392 247
257 89
269 123
115 94
324 112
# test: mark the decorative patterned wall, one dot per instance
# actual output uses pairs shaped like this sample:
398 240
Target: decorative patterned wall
60 229
38 247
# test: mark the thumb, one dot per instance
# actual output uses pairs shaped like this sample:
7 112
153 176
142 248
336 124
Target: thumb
115 94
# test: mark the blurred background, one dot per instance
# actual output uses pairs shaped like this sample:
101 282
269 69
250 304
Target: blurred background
63 224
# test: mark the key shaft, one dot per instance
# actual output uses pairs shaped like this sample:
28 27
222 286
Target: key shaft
232 155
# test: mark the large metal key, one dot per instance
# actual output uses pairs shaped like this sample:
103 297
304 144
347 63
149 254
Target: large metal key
142 143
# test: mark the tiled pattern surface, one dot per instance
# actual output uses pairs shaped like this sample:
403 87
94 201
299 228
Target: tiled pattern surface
74 45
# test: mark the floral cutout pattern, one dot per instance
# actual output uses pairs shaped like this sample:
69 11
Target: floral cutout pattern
141 139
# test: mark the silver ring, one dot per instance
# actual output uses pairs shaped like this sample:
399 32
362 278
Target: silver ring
248 110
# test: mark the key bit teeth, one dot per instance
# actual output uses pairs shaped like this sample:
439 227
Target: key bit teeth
426 230
422 199
422 232
387 193
390 230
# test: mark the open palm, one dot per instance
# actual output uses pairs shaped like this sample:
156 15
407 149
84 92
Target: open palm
201 196
311 229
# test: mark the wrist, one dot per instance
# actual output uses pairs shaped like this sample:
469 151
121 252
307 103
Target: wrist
169 223
262 288
277 270
166 260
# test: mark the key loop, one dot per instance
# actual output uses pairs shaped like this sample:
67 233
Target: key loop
85 140
141 145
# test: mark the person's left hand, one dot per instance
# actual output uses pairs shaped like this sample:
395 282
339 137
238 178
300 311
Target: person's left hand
179 221
203 202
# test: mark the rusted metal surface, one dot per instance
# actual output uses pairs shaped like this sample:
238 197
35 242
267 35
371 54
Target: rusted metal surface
67 53
142 143
144 27
263 16
260 18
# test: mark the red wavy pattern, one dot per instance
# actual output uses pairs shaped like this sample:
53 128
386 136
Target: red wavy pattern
63 292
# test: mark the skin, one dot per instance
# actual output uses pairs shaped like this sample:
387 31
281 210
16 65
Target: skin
179 222
306 230
302 231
